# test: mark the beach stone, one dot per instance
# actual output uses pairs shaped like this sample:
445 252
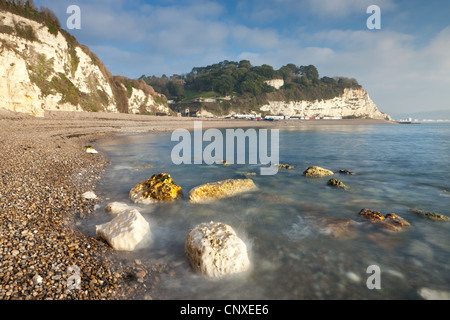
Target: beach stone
116 208
391 221
215 250
90 149
317 172
125 231
90 195
160 187
220 189
431 215
336 183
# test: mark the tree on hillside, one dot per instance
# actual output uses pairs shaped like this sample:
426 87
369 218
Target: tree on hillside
310 72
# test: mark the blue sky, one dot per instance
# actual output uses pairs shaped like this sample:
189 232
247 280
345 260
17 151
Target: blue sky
405 66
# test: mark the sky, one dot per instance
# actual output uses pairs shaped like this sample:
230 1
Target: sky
404 65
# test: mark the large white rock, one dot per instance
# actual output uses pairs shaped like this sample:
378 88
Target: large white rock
125 231
215 250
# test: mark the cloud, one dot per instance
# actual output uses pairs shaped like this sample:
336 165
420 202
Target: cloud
398 75
332 9
398 68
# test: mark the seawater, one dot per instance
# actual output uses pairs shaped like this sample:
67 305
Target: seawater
397 168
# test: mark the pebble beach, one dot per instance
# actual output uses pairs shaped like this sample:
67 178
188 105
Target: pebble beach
44 171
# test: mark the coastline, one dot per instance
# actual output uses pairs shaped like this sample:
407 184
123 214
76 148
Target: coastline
44 171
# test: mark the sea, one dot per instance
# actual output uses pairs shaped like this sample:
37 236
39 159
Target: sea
397 168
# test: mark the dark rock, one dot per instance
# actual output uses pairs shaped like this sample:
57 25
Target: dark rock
336 183
431 215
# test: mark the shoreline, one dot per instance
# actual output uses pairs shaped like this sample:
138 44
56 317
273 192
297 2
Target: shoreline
44 171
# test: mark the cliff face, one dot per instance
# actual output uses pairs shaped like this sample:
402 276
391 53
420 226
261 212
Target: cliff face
353 103
43 71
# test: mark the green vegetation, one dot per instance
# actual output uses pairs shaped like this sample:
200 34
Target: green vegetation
68 90
246 85
40 69
28 9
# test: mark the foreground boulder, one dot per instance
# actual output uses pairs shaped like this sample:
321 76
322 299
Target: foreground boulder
160 187
125 231
391 221
220 189
215 250
317 172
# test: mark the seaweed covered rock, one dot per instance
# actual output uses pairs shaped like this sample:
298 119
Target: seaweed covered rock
160 187
391 221
221 189
215 250
317 172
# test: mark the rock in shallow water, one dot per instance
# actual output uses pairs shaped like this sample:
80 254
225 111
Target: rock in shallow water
317 172
220 189
430 215
391 221
215 250
160 187
336 183
431 294
125 231
339 228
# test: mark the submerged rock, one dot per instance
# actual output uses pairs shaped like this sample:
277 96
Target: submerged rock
215 250
336 183
345 171
125 231
285 166
338 227
160 187
431 294
220 189
431 215
391 221
317 172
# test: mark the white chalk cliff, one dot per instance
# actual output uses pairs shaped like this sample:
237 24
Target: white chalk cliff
353 103
46 71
